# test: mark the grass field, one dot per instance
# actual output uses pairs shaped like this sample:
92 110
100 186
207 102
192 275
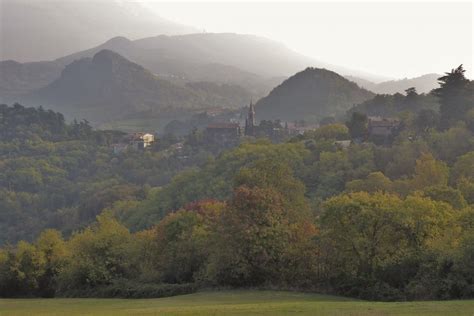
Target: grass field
232 303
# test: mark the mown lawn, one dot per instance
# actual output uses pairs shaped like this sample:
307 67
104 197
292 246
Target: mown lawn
232 303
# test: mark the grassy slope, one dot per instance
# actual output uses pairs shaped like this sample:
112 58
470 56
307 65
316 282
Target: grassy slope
232 303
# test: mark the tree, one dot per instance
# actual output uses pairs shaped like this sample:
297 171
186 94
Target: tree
330 174
411 92
456 96
181 242
21 269
329 132
375 181
256 239
451 143
430 172
362 229
463 168
358 126
265 227
251 238
446 194
375 244
426 119
99 255
277 176
51 244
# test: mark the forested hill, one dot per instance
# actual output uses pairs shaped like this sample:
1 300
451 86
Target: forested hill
387 105
18 79
331 210
108 87
311 95
60 175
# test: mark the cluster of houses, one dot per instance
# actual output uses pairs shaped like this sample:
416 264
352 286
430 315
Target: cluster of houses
134 141
379 129
228 134
382 127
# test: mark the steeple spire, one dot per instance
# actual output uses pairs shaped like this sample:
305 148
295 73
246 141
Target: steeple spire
251 115
250 120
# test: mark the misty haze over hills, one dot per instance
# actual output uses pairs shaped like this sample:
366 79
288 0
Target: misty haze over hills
85 24
109 87
423 84
252 62
179 68
72 26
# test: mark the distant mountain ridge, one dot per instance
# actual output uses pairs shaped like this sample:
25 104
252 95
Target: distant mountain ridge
249 53
423 84
247 60
311 95
255 63
17 79
110 87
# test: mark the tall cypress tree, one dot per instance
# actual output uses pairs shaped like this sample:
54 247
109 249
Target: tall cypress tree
455 96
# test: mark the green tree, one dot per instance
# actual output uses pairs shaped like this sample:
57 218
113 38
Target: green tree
374 244
51 244
274 175
358 126
463 168
21 269
446 194
456 96
329 132
255 239
375 181
426 120
99 255
181 242
430 172
362 229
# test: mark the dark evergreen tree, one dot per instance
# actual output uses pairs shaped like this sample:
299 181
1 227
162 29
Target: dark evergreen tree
358 126
455 96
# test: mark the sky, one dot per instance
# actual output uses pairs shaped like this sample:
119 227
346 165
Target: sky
394 39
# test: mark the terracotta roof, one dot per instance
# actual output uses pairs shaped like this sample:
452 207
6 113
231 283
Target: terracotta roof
137 136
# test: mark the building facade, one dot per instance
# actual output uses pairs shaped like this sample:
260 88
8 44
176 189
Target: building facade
223 133
141 140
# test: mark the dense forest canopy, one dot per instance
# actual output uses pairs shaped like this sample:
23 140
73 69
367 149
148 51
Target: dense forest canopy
62 175
387 220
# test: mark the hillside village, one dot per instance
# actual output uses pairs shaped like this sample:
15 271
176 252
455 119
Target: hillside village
228 134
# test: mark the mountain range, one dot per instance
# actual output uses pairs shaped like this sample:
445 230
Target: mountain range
109 87
138 76
33 53
423 84
254 63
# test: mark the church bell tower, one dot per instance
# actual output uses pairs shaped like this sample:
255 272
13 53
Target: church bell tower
250 121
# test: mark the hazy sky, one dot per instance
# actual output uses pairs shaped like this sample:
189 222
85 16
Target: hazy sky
402 39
